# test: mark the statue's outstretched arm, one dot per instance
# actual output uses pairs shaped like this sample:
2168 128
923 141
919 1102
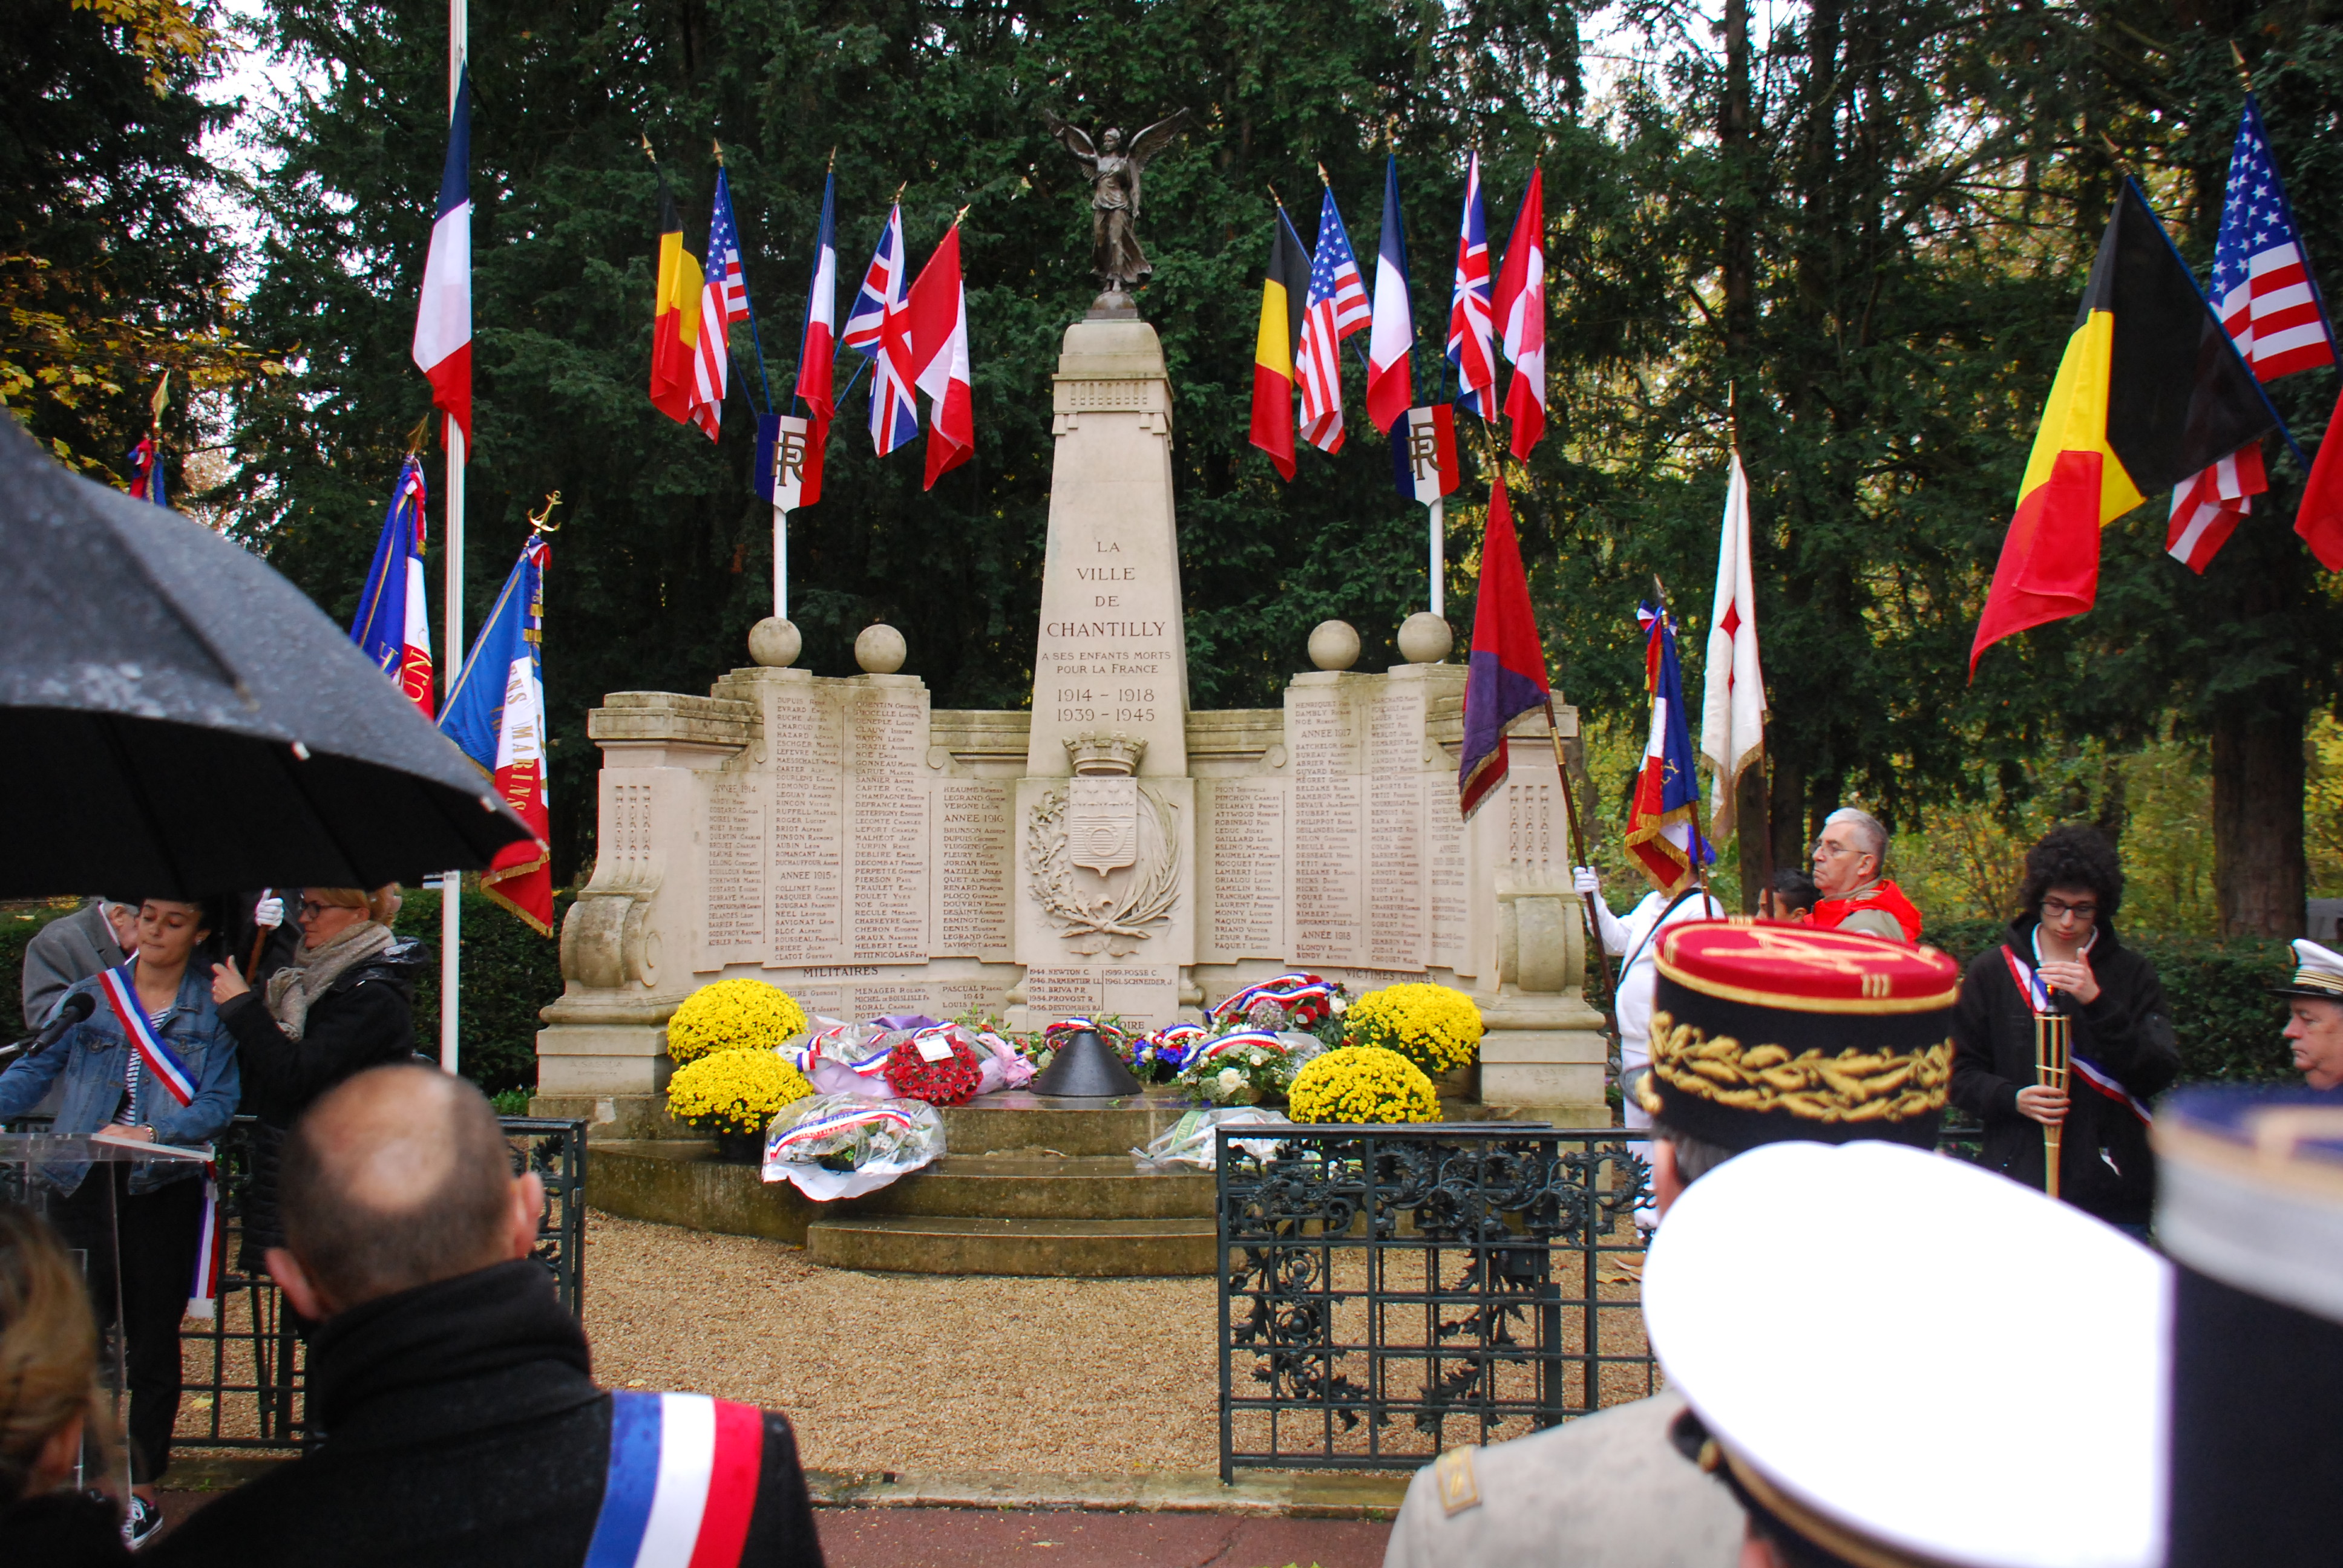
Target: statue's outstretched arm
1071 137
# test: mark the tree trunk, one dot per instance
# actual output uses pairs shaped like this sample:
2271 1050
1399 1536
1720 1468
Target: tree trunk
1788 810
1754 834
2259 778
1740 199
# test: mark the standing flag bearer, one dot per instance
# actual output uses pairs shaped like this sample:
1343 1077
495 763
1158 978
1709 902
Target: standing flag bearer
1391 341
495 717
723 300
1520 319
1664 834
938 317
393 623
1469 346
443 324
2265 296
2150 390
1284 292
879 330
1337 308
675 321
1733 697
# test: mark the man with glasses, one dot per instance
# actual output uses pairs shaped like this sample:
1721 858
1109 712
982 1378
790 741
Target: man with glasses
1849 856
2061 955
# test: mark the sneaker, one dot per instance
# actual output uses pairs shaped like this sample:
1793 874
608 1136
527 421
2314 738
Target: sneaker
139 1526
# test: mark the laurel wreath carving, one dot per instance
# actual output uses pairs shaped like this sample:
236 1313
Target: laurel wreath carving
1117 924
1852 1086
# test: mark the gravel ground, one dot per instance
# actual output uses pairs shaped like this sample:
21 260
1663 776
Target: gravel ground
906 1371
902 1372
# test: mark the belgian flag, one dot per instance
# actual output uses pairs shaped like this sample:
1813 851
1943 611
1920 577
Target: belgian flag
2150 391
1283 293
675 319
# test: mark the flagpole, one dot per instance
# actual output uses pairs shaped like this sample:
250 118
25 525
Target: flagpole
781 563
451 883
1578 857
1439 555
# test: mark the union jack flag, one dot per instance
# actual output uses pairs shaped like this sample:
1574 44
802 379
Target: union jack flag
1469 330
879 329
2262 287
1337 306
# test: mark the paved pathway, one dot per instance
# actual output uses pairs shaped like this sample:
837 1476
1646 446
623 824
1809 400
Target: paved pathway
949 1537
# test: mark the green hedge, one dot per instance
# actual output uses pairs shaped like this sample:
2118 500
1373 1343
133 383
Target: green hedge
2218 989
509 972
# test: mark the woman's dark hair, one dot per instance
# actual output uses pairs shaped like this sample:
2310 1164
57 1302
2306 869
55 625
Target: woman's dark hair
1795 890
2076 855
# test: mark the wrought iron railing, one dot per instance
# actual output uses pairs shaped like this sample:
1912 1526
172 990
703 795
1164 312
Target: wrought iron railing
1387 1292
244 1369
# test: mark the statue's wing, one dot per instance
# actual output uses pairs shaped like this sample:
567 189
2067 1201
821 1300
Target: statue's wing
1157 136
1075 141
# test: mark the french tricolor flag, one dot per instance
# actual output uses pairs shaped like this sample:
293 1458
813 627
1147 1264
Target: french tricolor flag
394 624
816 353
939 308
682 1486
443 326
1391 340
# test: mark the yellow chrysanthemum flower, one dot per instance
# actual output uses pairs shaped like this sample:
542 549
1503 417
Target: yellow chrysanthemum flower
1432 1026
1363 1084
734 1090
733 1015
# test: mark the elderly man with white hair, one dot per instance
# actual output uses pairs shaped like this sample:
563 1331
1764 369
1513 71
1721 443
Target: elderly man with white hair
1849 857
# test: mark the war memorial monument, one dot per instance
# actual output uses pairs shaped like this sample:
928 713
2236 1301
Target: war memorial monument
1108 850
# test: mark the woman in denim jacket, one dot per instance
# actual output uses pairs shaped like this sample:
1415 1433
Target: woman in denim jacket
158 1204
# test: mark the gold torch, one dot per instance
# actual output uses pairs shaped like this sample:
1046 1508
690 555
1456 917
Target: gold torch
2053 1032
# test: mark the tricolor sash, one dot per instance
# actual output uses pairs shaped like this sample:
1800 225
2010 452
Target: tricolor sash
2037 996
163 1064
682 1485
152 1048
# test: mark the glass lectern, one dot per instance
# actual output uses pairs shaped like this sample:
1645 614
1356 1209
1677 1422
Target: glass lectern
34 1167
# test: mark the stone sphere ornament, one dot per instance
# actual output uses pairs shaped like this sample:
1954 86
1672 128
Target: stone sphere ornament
1424 639
775 643
1335 645
880 650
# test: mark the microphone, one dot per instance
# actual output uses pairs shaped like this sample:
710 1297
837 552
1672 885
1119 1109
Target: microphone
75 1009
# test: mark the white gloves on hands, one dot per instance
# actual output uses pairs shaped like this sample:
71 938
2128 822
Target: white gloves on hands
269 913
1585 879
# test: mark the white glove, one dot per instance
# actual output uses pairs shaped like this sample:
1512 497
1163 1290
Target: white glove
269 913
1585 879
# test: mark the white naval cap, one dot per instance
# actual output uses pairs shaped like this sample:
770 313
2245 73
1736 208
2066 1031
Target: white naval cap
1821 1363
2318 973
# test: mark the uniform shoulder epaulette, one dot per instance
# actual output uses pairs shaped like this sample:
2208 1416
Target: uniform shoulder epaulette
1451 1475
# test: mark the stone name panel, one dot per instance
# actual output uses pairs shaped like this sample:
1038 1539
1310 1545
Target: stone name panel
1241 880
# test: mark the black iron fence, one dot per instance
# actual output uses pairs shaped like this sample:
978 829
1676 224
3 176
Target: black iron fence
244 1368
1387 1292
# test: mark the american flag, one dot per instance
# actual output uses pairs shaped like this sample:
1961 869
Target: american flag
2262 287
724 253
2207 509
1468 312
879 329
723 300
1337 306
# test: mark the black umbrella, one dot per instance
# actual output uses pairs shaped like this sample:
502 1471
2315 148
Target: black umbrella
179 720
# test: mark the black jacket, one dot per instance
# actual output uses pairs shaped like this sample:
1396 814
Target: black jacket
365 1019
2105 1167
463 1430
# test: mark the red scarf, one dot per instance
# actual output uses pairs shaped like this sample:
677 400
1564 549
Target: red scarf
1881 895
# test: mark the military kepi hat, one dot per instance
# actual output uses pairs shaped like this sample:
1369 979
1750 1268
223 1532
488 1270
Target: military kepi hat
1814 1374
2318 973
1765 1033
2249 1203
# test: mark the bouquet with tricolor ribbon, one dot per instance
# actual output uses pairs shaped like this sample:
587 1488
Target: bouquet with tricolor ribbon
833 1146
1248 1066
1298 1001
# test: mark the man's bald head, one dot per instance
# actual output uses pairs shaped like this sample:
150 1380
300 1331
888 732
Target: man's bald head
398 1177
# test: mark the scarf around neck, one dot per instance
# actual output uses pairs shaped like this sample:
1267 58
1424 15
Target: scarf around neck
296 987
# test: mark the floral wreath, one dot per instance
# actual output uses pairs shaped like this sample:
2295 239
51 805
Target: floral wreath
1307 998
948 1081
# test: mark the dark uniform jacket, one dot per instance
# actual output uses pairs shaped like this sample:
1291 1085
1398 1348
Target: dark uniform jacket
2105 1167
366 1018
463 1429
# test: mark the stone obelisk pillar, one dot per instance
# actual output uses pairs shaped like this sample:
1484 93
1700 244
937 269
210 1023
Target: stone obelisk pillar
1106 846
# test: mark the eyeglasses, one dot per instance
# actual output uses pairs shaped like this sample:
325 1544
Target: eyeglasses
311 909
2058 909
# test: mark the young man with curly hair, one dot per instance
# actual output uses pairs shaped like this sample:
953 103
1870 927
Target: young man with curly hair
2061 954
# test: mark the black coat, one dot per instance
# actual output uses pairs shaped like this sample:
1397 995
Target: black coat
2105 1167
365 1019
462 1430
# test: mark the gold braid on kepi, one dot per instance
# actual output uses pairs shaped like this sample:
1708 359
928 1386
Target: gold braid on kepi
1765 1032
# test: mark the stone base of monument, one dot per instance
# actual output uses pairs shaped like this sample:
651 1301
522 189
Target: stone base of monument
1005 1201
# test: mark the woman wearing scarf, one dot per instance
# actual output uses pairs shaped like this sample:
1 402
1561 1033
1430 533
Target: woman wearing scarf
341 1006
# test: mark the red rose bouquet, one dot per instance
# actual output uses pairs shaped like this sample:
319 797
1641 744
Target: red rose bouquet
948 1079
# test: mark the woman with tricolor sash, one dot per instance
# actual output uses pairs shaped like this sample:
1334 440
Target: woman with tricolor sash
151 1063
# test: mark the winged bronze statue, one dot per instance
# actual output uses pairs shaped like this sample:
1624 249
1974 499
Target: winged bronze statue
1114 176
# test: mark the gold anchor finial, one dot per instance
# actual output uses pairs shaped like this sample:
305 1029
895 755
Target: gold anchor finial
537 523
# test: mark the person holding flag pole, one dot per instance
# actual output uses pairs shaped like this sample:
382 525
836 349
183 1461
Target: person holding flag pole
443 351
